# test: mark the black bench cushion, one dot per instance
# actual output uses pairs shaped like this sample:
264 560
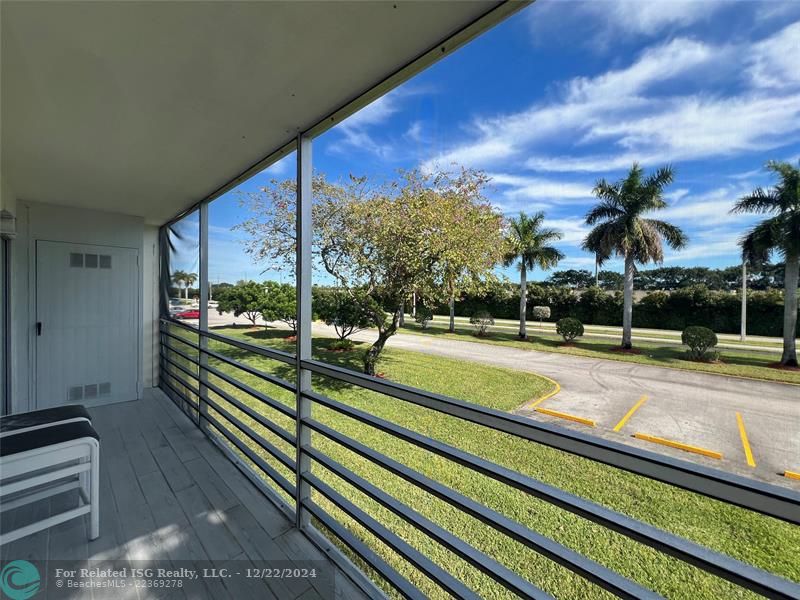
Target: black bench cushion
46 436
42 417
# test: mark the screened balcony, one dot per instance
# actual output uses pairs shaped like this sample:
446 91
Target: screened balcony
225 452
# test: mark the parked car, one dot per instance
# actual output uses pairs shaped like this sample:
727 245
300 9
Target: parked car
188 314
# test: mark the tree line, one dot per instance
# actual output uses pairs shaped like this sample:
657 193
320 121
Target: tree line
765 277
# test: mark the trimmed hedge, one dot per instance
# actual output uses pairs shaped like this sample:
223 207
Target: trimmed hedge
695 305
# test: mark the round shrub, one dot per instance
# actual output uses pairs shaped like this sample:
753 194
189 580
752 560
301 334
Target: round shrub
341 345
700 340
569 328
540 313
423 316
481 320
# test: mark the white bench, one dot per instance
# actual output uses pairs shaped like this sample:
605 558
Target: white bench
40 459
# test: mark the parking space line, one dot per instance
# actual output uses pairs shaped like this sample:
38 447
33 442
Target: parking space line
745 443
629 414
562 415
553 392
678 445
791 475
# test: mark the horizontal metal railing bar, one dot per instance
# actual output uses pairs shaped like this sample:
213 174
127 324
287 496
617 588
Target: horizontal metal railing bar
569 559
619 585
250 411
194 376
273 379
279 479
262 464
404 587
279 455
178 338
767 499
194 361
280 382
187 405
431 570
259 396
182 382
284 357
723 566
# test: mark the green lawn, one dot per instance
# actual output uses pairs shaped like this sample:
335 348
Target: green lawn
759 540
738 363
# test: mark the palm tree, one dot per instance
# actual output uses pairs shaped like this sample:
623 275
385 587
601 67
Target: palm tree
621 228
528 244
778 233
189 279
178 278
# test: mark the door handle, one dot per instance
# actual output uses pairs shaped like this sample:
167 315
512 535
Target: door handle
38 328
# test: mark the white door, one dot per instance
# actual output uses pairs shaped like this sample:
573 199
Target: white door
87 324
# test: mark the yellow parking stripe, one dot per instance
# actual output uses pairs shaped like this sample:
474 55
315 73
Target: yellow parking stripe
678 445
791 475
553 392
629 414
569 417
745 444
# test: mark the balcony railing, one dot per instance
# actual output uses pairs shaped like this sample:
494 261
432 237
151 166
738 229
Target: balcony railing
187 361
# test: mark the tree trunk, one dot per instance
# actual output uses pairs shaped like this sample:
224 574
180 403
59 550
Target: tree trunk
627 310
371 356
402 313
523 302
414 304
789 358
452 305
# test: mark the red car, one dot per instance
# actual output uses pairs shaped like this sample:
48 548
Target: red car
188 314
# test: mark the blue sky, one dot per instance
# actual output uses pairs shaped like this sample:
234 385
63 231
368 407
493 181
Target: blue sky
566 92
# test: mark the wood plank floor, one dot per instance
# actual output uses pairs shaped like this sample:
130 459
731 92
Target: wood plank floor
170 498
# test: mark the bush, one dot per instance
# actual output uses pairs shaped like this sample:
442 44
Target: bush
569 328
540 313
347 313
481 320
700 340
423 316
342 345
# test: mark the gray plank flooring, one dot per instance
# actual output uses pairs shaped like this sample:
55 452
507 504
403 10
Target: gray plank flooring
171 499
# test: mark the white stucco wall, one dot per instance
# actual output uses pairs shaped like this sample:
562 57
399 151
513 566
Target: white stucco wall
64 224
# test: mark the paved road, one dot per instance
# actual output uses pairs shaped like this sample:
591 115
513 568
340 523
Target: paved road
689 407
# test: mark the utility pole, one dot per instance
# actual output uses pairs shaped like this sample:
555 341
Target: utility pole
743 334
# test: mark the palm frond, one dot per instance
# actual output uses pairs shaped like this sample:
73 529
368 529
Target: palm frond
759 201
604 211
674 236
758 243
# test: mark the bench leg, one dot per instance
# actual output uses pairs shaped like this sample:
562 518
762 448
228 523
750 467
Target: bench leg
94 490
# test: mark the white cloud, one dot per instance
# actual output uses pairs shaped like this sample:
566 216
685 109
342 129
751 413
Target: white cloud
676 195
587 103
414 132
520 186
619 110
775 62
709 208
573 228
601 22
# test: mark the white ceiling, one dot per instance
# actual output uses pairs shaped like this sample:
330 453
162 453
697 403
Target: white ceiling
145 108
